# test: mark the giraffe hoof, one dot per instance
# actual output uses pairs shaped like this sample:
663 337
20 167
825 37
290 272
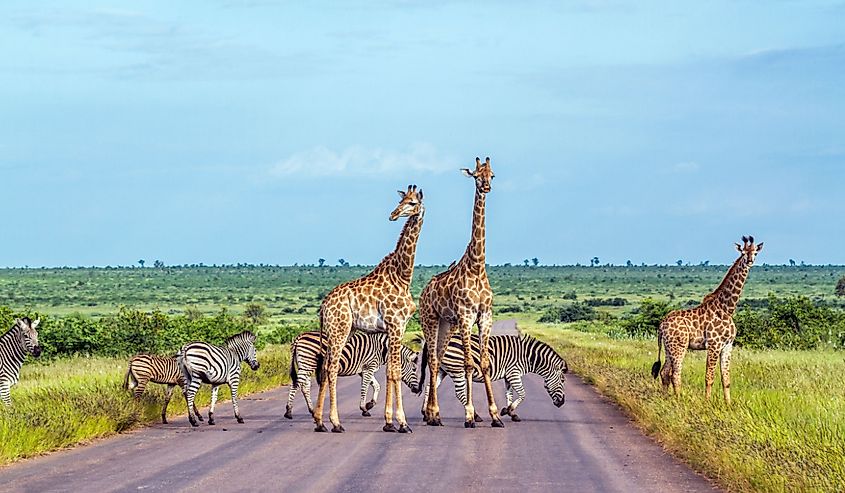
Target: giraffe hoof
240 419
337 429
211 421
405 429
366 413
370 405
497 423
321 428
478 418
469 424
389 428
288 414
515 417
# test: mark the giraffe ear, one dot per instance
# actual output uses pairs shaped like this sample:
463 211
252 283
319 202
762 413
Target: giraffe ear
739 248
467 172
420 194
759 246
401 193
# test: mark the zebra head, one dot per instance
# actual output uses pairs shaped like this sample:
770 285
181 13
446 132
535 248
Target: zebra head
244 345
555 381
28 336
409 369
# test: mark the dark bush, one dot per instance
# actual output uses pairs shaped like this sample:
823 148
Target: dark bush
606 301
572 312
645 319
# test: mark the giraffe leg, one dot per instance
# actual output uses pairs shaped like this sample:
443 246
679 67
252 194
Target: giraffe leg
469 369
485 323
712 358
437 341
678 353
336 332
393 392
666 371
725 366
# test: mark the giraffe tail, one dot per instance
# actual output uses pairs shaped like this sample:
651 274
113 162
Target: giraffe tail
655 368
424 358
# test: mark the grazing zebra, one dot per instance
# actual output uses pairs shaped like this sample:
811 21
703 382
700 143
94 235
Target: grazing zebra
22 338
145 368
201 362
362 355
510 358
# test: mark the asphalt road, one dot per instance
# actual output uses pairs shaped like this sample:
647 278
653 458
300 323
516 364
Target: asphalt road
587 445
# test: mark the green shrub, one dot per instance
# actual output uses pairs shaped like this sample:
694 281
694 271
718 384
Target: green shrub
645 319
790 323
572 312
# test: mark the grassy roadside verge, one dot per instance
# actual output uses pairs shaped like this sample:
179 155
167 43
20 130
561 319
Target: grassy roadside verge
783 431
72 400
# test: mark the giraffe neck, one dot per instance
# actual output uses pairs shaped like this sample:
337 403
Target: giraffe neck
401 261
726 296
475 253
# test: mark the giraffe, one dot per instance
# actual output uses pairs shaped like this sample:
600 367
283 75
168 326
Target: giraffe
378 302
455 300
708 326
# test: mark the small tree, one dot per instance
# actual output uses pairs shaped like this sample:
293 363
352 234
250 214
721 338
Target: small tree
158 264
679 262
525 262
791 263
141 263
535 261
840 287
594 261
342 262
321 261
255 313
629 264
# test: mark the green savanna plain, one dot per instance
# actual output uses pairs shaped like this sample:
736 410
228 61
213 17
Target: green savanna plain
783 431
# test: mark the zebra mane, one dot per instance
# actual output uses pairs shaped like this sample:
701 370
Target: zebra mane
245 335
542 349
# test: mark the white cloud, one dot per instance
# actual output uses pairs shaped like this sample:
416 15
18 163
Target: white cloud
686 167
322 161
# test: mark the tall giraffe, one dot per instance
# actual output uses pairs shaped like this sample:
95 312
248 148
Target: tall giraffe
378 302
708 326
456 300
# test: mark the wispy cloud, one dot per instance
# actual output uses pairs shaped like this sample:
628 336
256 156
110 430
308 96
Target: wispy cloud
362 161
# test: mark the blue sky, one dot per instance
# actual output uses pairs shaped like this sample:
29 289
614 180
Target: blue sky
278 132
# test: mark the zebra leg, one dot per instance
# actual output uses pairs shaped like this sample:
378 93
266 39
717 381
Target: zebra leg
306 393
139 387
167 394
4 393
234 380
485 324
376 389
289 406
366 377
213 402
515 383
196 411
191 388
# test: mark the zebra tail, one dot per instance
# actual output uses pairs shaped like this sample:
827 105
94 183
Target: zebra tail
294 378
655 368
126 378
424 357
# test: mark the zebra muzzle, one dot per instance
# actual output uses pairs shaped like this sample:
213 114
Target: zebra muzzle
36 351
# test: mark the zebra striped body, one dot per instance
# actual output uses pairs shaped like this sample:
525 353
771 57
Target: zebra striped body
21 339
145 368
511 357
201 362
362 355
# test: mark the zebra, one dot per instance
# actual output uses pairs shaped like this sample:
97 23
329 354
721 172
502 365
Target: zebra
201 362
362 355
511 357
144 368
21 339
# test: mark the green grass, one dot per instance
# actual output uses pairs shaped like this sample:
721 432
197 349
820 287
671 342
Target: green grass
783 431
72 400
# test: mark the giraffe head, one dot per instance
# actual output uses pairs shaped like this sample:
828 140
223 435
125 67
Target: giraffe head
748 249
483 175
29 334
411 203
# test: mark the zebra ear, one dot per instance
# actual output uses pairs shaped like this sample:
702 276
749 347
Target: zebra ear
17 321
565 367
35 324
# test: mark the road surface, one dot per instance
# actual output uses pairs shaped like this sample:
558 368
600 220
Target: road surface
587 445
